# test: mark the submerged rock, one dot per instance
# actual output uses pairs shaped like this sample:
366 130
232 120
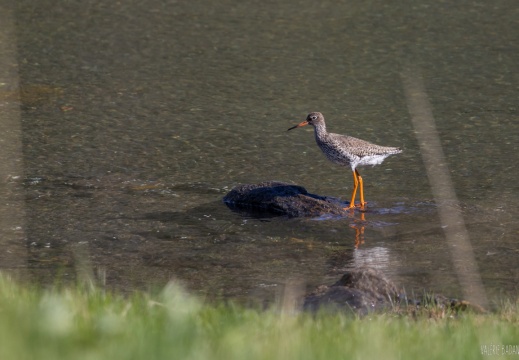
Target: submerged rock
365 290
359 290
279 198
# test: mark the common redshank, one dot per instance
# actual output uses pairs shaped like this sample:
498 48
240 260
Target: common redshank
347 151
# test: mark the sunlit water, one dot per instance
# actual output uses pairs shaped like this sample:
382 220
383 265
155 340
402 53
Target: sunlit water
138 118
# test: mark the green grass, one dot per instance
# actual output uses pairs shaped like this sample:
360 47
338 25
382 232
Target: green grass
81 324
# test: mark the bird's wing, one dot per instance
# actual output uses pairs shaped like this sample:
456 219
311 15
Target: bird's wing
359 147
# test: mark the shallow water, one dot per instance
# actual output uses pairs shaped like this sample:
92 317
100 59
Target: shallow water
137 118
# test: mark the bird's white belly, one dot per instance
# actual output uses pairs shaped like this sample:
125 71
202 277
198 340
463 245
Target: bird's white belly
372 160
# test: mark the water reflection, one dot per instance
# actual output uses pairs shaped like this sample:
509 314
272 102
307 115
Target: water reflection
359 224
358 219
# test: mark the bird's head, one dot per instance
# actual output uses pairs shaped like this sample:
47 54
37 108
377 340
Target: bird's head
311 119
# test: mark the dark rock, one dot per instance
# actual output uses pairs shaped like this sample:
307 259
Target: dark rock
365 290
279 198
359 290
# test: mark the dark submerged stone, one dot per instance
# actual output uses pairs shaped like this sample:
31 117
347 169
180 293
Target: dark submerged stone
365 290
359 290
278 198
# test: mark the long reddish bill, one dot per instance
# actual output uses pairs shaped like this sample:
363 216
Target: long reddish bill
299 125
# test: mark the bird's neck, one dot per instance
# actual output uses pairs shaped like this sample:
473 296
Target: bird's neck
320 131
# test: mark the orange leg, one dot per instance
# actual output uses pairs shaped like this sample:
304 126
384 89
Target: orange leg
355 186
357 180
362 202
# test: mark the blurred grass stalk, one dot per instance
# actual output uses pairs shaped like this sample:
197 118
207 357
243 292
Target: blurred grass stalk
451 218
88 323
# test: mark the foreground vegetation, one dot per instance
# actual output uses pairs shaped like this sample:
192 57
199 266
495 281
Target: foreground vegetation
81 324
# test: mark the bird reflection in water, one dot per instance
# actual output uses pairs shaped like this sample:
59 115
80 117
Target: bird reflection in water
359 224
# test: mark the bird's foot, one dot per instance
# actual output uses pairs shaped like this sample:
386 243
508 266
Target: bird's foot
352 206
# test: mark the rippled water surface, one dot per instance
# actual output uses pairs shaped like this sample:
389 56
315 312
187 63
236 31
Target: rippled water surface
137 118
